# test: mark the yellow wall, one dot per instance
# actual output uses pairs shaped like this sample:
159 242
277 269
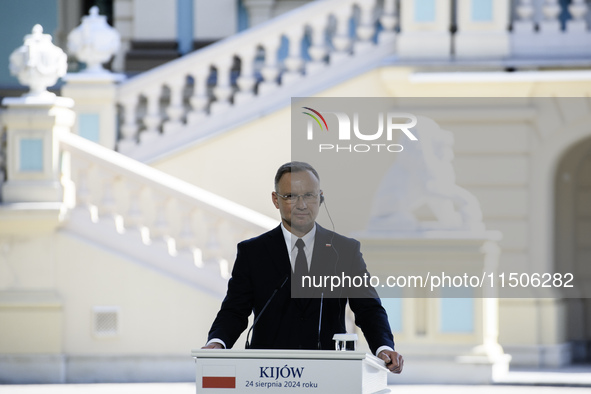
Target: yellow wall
158 314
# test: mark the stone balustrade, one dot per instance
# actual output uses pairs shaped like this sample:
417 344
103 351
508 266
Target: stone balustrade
159 209
196 94
188 92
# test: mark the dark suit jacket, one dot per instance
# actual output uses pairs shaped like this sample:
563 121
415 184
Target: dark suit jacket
261 266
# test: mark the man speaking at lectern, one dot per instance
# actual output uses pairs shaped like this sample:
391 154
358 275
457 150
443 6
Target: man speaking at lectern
263 265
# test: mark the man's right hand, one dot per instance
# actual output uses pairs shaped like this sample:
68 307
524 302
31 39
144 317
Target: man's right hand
213 345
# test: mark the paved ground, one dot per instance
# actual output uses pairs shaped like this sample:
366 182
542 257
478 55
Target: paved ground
189 388
572 375
568 380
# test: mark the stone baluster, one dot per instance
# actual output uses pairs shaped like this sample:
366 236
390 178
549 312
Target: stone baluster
388 20
107 205
525 12
133 218
294 62
129 128
81 171
341 39
67 180
270 70
152 119
223 90
317 50
366 27
159 230
578 10
200 98
246 81
186 239
212 250
175 110
550 24
198 257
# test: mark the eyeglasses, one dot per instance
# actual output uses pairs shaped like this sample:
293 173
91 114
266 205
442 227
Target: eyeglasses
292 198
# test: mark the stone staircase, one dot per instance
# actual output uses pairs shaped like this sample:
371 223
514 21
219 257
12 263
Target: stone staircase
323 43
252 73
153 218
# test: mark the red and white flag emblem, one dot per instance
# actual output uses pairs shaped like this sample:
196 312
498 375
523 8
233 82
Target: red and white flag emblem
218 377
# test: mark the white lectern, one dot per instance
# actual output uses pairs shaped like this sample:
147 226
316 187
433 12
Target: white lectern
289 371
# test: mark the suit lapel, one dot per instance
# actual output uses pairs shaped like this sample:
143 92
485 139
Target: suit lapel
278 252
323 257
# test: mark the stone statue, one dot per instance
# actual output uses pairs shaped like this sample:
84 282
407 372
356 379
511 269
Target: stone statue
423 175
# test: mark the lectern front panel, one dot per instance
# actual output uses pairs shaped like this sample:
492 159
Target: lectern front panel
276 371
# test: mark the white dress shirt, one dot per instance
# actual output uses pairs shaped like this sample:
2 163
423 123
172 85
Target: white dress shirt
290 241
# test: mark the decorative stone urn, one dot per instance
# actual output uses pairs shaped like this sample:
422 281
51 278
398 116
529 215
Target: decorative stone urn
38 63
94 42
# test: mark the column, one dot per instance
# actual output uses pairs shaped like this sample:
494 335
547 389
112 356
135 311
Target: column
184 26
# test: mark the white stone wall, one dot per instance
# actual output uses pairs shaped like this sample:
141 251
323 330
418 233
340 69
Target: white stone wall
215 19
154 20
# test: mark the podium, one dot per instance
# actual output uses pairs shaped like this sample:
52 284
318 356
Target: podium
288 371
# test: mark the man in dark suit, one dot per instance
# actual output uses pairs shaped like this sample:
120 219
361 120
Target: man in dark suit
296 248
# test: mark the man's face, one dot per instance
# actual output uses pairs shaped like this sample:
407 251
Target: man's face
298 216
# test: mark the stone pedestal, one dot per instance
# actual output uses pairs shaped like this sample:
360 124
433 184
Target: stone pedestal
96 112
450 334
33 125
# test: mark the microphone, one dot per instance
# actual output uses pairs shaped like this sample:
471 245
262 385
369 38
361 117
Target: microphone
320 320
247 345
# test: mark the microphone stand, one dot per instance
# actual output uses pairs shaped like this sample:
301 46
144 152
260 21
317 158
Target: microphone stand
320 320
247 345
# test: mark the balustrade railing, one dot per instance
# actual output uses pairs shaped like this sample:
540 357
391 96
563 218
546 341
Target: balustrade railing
551 29
159 208
187 93
276 54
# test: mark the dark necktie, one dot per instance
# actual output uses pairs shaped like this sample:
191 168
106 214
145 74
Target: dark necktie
301 264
